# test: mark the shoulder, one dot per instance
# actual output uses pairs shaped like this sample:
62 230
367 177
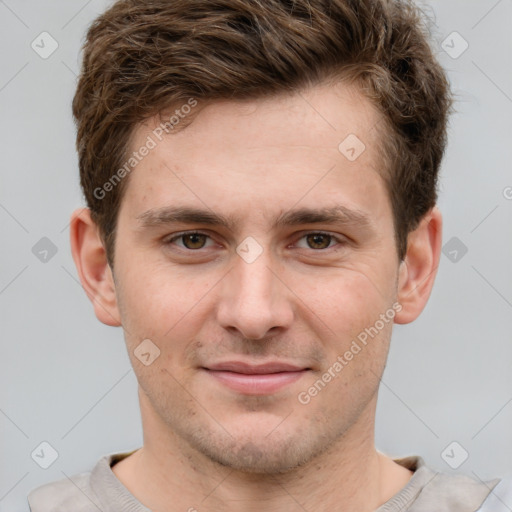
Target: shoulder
83 492
452 492
458 492
441 491
500 498
72 493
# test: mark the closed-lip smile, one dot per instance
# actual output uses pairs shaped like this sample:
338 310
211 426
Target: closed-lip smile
255 379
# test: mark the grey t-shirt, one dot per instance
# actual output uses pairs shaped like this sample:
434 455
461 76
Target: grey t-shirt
100 491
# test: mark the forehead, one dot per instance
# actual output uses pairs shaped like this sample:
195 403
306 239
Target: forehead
320 117
261 150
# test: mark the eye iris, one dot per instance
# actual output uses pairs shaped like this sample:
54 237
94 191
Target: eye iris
317 239
193 240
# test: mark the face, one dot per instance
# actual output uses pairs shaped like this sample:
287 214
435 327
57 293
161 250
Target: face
253 304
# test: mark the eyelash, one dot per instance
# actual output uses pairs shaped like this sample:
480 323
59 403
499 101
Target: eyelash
185 233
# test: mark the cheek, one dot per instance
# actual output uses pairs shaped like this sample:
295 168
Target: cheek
165 307
158 296
351 306
346 299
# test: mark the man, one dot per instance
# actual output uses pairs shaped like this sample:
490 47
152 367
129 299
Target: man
260 180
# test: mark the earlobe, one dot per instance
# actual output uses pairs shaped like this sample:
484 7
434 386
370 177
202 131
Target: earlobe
418 270
93 268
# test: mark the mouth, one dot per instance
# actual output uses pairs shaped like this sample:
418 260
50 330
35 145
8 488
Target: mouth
249 379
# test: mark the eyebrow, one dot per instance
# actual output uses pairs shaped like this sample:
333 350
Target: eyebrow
185 215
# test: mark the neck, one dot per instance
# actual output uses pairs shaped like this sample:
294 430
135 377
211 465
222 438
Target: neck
167 475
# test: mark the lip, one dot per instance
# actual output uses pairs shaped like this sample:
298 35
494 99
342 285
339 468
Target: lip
261 379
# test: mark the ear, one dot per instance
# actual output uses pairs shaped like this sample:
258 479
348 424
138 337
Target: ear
93 268
418 270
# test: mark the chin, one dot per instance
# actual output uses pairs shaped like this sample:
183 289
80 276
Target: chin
254 458
263 455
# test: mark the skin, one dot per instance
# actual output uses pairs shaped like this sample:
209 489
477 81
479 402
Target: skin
303 300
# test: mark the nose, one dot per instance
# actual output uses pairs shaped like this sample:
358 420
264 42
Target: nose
254 299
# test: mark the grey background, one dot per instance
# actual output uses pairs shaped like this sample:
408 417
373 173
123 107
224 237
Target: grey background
66 378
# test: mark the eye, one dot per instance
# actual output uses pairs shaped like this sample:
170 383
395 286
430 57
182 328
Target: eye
319 240
195 240
192 240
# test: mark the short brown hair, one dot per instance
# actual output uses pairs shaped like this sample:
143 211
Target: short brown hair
141 57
